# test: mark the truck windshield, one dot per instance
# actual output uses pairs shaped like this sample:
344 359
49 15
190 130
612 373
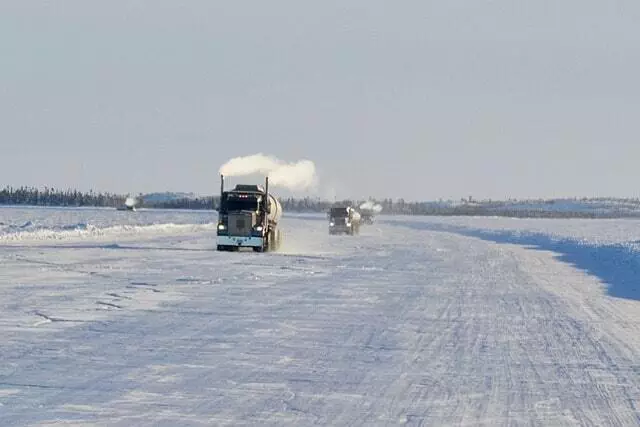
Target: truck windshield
249 204
339 213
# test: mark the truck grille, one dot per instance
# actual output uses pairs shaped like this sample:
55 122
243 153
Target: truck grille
241 224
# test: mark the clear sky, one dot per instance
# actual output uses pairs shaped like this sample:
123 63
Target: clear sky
417 99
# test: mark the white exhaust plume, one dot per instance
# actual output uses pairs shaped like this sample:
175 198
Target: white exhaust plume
370 206
293 176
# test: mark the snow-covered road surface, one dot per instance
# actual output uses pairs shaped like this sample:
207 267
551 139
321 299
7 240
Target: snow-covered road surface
397 326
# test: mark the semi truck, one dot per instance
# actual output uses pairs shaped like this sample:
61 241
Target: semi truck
367 217
344 220
128 205
248 217
368 210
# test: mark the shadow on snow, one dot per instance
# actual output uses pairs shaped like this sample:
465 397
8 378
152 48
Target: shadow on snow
617 265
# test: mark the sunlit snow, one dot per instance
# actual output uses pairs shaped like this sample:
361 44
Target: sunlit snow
132 318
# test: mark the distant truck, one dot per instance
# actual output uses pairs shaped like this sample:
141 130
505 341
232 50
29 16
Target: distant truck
344 220
367 217
129 205
248 217
368 210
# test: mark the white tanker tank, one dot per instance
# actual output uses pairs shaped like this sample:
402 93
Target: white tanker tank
248 216
275 209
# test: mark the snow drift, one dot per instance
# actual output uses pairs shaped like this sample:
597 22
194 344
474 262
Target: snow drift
39 223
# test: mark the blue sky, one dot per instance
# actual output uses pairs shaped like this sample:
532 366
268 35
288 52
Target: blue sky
413 99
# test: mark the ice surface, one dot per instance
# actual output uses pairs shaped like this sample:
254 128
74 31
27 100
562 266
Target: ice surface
607 249
417 321
598 232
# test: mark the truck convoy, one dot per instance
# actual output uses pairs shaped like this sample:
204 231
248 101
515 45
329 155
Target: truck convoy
248 216
344 219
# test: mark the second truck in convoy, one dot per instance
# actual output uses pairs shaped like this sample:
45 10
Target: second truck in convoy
248 217
344 219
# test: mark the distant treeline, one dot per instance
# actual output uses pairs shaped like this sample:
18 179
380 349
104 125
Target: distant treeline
55 197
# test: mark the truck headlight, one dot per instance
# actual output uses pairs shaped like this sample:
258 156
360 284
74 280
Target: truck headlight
258 228
331 224
221 227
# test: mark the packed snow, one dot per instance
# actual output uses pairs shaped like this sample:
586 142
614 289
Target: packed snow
43 223
577 207
132 318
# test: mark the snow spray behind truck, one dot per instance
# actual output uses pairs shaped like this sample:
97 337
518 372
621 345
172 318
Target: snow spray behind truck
248 216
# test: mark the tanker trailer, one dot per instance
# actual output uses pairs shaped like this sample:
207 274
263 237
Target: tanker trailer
248 216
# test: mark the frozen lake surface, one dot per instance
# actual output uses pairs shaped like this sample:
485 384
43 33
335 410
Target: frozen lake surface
118 318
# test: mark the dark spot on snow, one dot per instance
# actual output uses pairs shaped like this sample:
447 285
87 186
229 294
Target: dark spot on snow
108 304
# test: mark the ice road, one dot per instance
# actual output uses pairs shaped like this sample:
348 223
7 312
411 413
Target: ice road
410 323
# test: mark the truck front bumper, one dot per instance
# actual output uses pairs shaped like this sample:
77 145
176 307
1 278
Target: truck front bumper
253 242
340 228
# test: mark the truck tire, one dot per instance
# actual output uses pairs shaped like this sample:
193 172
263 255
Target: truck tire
266 245
272 241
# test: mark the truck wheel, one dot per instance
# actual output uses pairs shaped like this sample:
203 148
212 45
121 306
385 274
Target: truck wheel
272 242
